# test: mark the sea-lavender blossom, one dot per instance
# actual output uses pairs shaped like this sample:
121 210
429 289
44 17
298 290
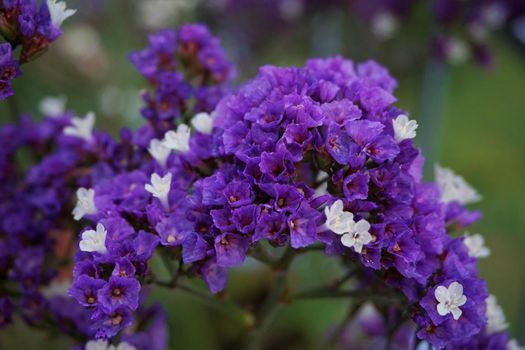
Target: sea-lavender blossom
253 176
34 28
190 73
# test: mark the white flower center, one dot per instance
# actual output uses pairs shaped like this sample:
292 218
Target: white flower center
202 122
53 106
160 187
454 187
178 140
94 241
85 203
81 127
450 299
404 128
58 12
159 151
476 246
495 315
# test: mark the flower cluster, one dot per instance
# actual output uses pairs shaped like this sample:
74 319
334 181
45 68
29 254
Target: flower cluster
42 165
23 23
297 157
129 206
190 73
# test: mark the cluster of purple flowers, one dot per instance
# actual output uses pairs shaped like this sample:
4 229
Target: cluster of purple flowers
23 23
189 71
114 257
297 157
42 165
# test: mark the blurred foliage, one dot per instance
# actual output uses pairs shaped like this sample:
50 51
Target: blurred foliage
482 139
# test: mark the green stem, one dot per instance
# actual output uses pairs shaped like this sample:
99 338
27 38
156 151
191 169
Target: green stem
430 112
14 111
338 332
271 305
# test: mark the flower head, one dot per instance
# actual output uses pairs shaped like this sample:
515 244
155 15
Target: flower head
476 246
202 122
454 187
358 236
404 128
94 240
160 187
53 106
85 203
82 127
338 220
178 140
496 317
58 12
450 299
159 151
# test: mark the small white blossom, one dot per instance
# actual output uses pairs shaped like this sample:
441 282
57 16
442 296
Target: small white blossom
159 151
513 345
358 236
160 187
202 122
82 127
85 203
103 345
425 346
94 241
495 315
96 345
53 106
58 12
450 299
404 128
122 346
384 25
476 246
454 187
178 140
322 189
338 220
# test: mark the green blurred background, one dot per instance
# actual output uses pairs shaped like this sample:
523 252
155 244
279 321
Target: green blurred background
479 133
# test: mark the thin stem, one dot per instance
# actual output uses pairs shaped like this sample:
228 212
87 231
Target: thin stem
271 305
338 332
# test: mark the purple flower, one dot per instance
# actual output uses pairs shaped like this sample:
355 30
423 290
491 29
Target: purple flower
119 291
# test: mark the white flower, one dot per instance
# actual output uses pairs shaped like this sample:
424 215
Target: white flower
337 220
450 299
384 25
496 317
358 236
122 346
85 203
94 241
82 128
159 151
404 128
96 345
58 12
454 187
322 189
513 345
476 246
179 140
160 187
103 345
53 106
202 122
424 346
